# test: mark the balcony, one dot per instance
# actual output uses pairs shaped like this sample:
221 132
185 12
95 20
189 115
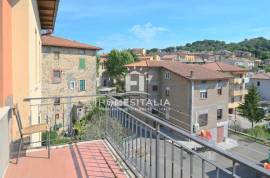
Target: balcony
238 92
234 105
118 140
238 81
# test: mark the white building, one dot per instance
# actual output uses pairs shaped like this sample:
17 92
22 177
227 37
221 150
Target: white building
262 82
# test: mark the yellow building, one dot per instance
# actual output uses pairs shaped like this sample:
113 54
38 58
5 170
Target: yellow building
237 89
29 20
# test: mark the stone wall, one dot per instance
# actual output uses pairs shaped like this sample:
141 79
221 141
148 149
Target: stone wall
68 63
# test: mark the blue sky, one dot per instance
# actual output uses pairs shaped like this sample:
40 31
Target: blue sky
161 23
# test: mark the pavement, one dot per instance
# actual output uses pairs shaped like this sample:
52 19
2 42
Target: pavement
242 122
249 149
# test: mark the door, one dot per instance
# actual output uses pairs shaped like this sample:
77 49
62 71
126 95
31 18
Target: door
220 134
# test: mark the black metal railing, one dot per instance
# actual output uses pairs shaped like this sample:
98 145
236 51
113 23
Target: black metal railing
150 146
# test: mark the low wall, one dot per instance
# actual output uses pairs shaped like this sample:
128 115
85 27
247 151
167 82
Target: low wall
4 140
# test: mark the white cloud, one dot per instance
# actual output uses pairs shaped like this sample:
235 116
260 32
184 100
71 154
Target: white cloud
147 32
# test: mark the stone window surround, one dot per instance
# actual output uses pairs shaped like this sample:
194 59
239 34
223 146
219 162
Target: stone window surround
54 80
167 75
80 85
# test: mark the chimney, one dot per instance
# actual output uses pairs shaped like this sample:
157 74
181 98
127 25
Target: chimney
191 74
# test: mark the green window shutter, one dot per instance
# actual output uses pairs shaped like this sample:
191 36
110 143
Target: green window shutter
82 63
82 85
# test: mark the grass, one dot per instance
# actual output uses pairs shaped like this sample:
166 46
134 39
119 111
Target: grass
259 132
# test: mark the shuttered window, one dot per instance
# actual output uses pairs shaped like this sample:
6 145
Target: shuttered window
82 63
82 85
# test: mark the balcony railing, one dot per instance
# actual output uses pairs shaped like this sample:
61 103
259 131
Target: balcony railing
238 92
149 146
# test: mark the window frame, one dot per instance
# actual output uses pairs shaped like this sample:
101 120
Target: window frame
56 80
80 88
167 91
72 82
167 75
203 94
82 63
219 91
219 117
154 88
199 119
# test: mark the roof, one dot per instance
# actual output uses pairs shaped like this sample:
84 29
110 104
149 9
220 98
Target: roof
103 60
47 13
261 76
49 40
184 70
223 67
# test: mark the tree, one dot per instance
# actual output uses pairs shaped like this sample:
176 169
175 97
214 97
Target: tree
250 108
115 66
267 68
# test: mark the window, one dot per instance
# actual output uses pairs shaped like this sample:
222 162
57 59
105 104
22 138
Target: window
56 116
56 76
82 63
203 119
56 55
203 93
219 88
219 91
72 85
167 75
82 85
232 99
258 83
154 88
56 101
167 92
219 114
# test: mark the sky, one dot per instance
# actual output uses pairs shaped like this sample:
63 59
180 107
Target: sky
122 24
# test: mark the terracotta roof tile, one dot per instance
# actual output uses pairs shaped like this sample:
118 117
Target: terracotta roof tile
49 40
223 67
261 76
184 70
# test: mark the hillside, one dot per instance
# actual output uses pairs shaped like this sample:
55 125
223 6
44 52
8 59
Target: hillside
259 47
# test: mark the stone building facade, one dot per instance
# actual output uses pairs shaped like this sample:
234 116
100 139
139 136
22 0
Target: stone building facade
68 72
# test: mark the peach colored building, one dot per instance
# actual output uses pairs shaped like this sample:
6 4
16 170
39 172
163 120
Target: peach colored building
5 53
21 26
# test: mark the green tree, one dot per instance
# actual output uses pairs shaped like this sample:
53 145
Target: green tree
116 66
267 68
250 108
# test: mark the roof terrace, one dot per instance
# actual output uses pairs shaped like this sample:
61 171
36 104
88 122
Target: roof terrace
106 137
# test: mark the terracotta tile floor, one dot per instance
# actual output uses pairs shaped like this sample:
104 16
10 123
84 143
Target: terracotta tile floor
91 159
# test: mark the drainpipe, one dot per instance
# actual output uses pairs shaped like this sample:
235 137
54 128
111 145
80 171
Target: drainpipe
191 101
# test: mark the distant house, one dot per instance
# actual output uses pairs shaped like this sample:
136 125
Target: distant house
242 62
68 68
169 57
103 79
267 61
198 96
139 51
262 82
244 54
237 82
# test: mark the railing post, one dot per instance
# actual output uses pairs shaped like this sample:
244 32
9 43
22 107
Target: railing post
203 168
157 127
233 168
